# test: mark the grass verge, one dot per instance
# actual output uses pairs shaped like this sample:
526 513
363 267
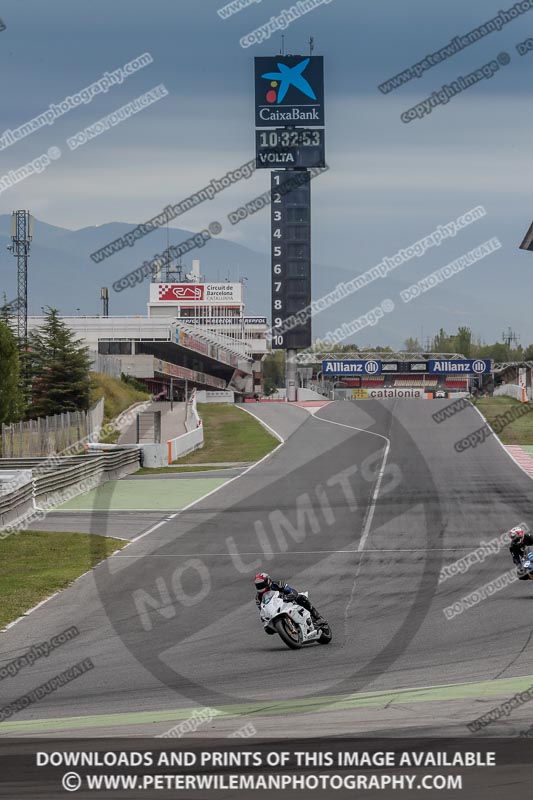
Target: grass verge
165 470
35 564
230 434
519 431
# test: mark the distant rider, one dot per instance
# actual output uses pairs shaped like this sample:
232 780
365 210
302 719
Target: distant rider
520 540
264 583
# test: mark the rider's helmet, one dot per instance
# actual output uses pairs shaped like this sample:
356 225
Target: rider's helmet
263 582
517 536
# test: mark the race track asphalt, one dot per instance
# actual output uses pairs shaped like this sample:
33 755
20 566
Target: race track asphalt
363 505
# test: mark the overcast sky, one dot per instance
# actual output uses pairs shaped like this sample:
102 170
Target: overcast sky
389 183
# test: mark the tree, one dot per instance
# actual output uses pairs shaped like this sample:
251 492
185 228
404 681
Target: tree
5 310
442 343
132 381
11 398
378 348
59 367
463 341
320 348
273 371
412 345
496 351
7 315
528 353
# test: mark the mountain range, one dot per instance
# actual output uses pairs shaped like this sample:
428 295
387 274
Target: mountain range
62 274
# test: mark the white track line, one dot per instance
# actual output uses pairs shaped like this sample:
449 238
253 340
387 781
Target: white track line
218 488
504 447
47 599
95 511
265 425
370 511
297 552
159 524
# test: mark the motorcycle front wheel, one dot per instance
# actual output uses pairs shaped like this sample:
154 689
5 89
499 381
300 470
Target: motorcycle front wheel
326 635
289 632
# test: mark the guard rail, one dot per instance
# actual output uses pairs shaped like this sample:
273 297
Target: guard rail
50 477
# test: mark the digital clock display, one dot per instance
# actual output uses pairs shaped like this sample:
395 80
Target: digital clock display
294 138
290 148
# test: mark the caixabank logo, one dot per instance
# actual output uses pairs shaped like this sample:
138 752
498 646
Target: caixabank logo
289 90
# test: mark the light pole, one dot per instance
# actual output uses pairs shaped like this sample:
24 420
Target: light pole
104 297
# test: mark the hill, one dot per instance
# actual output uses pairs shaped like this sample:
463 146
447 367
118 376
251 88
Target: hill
62 274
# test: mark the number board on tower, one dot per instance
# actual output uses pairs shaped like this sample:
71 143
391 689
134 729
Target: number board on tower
291 258
296 147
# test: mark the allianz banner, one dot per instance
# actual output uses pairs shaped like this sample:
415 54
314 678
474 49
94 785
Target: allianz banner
466 366
366 367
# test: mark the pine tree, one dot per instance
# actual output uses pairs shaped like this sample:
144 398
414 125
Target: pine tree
11 398
8 316
6 311
59 366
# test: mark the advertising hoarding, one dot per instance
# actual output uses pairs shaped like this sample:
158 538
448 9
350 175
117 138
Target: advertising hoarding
289 90
362 367
466 366
196 294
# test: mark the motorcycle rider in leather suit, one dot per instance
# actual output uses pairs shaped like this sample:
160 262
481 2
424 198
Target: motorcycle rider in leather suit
264 583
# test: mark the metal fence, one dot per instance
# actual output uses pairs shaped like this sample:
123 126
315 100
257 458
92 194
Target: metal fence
47 435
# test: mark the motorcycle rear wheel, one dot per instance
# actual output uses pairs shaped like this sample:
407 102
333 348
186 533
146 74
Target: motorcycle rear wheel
290 634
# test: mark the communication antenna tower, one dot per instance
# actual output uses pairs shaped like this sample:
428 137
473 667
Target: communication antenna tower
21 236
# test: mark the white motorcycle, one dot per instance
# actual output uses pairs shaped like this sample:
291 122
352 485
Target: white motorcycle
527 567
293 623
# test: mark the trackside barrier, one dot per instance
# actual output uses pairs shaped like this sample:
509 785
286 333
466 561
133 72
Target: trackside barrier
193 439
16 494
48 482
193 420
13 479
511 390
160 455
221 396
184 444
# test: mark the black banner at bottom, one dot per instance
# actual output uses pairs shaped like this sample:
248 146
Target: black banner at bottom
201 769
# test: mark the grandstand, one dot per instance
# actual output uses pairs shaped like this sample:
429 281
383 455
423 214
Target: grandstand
195 335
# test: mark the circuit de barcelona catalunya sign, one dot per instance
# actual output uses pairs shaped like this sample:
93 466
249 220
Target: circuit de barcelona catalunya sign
368 367
201 294
467 366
